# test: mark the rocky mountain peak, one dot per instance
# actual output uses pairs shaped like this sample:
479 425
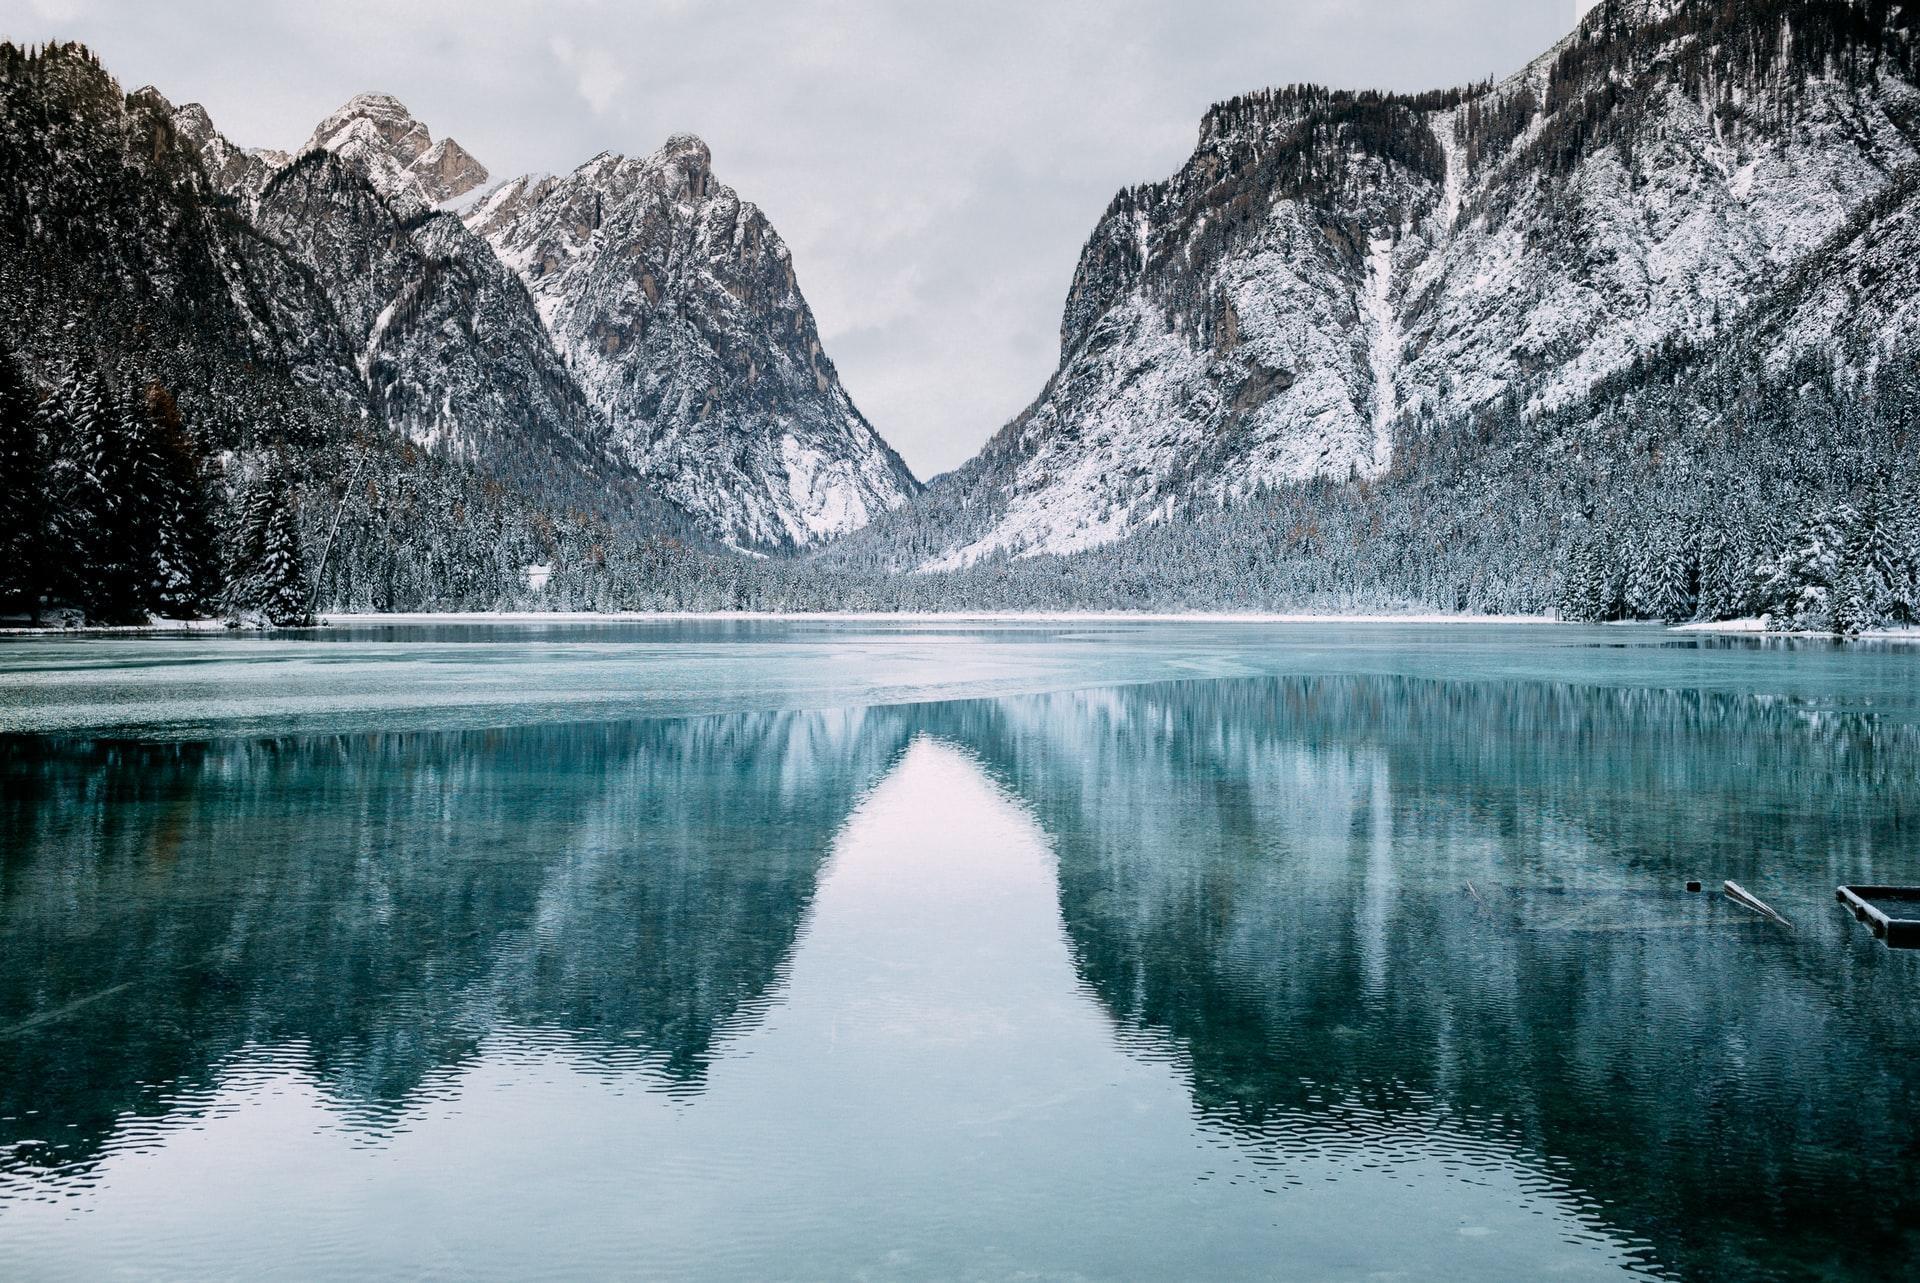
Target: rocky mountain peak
676 306
235 170
1331 273
376 116
378 135
687 149
192 120
690 161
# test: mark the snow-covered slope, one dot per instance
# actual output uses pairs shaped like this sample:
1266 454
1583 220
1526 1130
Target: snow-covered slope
1329 270
237 171
676 307
285 305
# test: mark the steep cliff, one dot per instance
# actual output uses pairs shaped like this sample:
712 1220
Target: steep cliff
677 308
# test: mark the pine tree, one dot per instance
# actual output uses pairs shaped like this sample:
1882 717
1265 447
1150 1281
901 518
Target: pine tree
1904 520
1676 591
1595 585
95 534
282 576
267 571
1874 559
1724 578
1799 585
23 489
173 509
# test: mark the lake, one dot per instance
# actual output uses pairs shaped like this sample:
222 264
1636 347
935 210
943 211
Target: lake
1070 949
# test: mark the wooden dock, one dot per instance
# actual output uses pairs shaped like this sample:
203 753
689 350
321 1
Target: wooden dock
1877 906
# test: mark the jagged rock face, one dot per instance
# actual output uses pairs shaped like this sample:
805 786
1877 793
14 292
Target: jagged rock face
236 171
283 304
676 307
719 394
377 135
447 341
1330 270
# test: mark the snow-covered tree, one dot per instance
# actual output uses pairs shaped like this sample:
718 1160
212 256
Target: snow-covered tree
96 535
170 503
23 482
266 574
1799 585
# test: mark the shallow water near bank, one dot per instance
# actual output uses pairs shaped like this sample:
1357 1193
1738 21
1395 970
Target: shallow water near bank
714 949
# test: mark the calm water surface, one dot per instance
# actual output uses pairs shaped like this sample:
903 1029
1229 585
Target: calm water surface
933 951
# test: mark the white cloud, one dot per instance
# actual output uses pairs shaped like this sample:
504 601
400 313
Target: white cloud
596 76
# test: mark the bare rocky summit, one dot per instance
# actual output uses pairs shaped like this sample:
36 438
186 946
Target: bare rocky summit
379 136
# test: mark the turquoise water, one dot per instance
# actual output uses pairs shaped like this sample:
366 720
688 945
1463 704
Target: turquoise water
929 951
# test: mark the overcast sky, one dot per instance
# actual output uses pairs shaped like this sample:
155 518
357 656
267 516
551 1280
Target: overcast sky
935 167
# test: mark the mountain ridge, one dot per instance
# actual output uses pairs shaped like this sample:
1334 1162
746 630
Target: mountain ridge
1331 267
1623 335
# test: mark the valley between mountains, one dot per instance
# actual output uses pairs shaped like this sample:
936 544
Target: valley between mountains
1626 334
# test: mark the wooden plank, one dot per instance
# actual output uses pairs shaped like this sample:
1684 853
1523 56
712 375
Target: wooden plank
1748 900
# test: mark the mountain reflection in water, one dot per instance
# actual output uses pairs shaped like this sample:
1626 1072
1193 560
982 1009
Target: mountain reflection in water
1325 975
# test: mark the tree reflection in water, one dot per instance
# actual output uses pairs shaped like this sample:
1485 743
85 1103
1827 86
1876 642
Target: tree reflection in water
1263 882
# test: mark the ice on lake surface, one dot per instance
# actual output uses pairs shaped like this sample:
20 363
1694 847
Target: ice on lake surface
1067 950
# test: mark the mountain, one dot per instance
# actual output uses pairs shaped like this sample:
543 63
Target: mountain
276 325
377 135
677 308
237 171
446 341
1624 335
197 336
118 252
1332 274
670 303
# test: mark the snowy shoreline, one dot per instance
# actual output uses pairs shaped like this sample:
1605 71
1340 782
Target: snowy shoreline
904 616
1755 627
351 619
348 619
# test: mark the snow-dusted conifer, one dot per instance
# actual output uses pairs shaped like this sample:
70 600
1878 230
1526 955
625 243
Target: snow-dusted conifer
266 577
23 482
1798 586
96 536
172 508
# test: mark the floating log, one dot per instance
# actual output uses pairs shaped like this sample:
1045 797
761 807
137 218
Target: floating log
1748 900
1892 912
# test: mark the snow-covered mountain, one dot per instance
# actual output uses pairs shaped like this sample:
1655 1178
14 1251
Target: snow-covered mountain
650 318
1627 334
377 135
1331 270
444 339
686 353
677 308
239 171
